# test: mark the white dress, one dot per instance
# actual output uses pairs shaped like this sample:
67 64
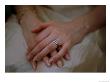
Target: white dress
87 56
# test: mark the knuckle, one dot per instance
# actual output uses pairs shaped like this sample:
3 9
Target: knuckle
40 45
49 47
41 55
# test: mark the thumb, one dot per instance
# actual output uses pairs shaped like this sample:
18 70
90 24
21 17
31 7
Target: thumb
41 27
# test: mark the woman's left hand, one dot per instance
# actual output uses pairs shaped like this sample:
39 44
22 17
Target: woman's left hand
63 35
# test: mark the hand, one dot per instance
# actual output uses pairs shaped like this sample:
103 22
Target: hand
64 34
30 39
28 20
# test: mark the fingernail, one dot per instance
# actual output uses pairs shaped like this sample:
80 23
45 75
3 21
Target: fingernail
50 61
60 64
68 57
34 66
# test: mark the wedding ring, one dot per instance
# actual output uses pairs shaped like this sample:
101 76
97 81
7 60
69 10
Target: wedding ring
55 42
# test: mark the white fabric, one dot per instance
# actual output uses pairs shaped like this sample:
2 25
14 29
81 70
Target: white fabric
86 56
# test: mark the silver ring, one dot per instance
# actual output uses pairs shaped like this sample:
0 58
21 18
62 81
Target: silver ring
55 42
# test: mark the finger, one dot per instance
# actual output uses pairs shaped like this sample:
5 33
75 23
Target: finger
27 52
34 65
40 46
67 56
41 27
46 59
60 54
59 63
53 53
48 49
42 35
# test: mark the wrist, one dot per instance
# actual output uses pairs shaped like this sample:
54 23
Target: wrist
29 21
86 24
81 24
22 11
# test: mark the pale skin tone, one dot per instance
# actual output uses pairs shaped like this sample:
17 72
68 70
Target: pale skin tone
28 22
66 34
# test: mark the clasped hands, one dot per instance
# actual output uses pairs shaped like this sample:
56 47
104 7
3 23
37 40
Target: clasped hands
52 43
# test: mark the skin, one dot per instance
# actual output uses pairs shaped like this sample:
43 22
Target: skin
66 34
29 21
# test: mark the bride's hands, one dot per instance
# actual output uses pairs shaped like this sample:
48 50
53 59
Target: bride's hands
63 35
31 40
